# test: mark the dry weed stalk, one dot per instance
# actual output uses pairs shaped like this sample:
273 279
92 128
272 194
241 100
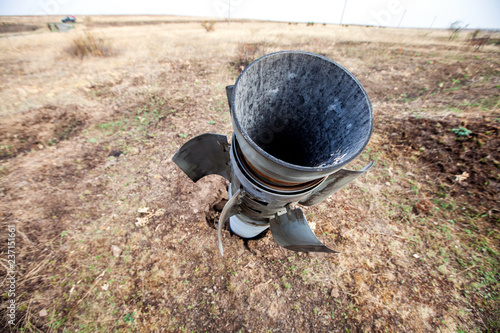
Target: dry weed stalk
246 53
208 25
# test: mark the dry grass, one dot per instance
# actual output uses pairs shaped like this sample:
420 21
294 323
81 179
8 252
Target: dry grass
209 26
418 253
89 44
246 53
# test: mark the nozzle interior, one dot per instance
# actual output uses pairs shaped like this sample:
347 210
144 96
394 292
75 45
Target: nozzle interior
303 109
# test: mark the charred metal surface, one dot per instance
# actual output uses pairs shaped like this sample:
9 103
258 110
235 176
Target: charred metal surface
229 93
206 154
267 182
332 184
298 118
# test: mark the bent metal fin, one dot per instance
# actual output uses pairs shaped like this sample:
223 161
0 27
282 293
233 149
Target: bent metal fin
292 232
204 155
332 184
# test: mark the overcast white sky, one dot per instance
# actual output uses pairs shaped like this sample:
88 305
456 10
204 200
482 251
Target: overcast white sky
483 14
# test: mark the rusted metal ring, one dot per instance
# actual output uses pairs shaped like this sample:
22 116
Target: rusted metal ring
269 182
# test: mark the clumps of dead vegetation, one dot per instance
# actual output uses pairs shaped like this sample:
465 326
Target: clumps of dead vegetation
476 38
246 53
479 38
208 25
455 29
89 44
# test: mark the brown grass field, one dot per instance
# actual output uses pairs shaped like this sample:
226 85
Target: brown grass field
86 143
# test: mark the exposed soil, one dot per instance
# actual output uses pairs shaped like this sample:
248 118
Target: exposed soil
461 156
13 27
39 128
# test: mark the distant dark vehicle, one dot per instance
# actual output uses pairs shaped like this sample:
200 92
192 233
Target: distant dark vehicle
69 19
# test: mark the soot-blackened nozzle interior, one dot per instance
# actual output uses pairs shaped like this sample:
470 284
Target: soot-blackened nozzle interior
302 109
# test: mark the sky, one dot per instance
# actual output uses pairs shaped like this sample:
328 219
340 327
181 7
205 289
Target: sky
478 14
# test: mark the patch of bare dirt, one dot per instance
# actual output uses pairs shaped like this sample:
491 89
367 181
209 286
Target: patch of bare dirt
460 155
39 128
423 81
16 27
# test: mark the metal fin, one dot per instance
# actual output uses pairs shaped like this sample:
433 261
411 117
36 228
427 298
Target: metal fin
204 155
229 93
292 232
231 208
332 184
